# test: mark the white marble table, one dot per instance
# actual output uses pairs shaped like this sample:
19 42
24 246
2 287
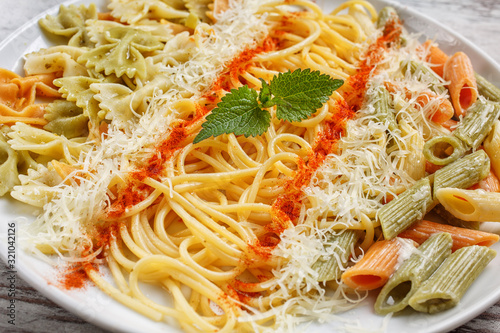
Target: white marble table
477 20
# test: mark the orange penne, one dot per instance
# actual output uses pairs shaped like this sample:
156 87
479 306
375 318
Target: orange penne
450 124
463 89
422 230
431 168
436 57
440 109
375 268
488 184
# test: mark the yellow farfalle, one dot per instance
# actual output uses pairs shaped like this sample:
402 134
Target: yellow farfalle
47 145
8 166
57 59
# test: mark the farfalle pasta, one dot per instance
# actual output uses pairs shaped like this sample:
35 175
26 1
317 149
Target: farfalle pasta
123 52
70 23
61 61
66 119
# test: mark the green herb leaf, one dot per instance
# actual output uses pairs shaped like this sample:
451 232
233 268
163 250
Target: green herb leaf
265 95
296 95
238 112
300 93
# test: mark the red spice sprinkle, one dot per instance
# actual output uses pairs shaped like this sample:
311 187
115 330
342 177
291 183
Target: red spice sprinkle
356 84
75 277
263 249
238 65
135 192
286 207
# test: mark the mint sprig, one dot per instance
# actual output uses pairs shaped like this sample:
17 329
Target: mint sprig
296 95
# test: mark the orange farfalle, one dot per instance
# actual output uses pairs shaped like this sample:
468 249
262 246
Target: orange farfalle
17 97
463 88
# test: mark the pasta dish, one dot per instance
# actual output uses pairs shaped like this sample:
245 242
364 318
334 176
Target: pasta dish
264 162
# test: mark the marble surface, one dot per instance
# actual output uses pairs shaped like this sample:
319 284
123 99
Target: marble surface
476 20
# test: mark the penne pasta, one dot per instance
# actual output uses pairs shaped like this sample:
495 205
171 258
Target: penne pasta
409 207
376 266
419 70
491 146
487 89
463 89
477 123
385 15
443 149
462 173
331 267
396 293
414 163
422 230
489 184
436 57
384 111
471 205
448 284
448 218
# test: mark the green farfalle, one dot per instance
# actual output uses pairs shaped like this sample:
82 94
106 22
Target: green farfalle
77 89
137 10
124 53
66 118
9 175
70 22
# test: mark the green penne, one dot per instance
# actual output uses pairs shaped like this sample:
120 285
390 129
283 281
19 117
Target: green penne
445 288
437 149
424 73
396 293
487 89
383 110
464 172
409 207
330 267
477 123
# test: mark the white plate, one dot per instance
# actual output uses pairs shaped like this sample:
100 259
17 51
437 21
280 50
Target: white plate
94 306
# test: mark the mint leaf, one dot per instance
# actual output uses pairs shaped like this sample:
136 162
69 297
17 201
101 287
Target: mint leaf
296 95
299 94
238 112
265 95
